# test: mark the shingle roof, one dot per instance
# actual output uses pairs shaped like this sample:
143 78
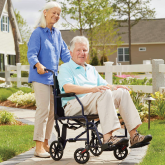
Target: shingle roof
145 31
2 2
67 35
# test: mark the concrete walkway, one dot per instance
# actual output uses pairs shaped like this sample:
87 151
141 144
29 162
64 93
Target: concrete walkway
27 158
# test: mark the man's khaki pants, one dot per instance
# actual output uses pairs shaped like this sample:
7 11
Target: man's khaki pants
44 117
104 104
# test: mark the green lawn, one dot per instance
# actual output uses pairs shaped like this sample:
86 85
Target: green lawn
156 151
6 92
15 140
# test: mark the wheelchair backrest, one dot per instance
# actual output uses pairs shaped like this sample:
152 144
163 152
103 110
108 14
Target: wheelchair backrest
59 110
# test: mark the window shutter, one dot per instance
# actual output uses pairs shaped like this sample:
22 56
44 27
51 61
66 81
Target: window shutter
1 24
8 24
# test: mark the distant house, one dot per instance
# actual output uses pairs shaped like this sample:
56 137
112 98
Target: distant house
148 42
7 46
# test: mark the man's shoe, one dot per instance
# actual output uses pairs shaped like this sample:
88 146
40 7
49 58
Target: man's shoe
114 140
140 140
42 155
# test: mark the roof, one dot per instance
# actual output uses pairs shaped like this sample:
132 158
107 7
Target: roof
68 35
145 31
2 2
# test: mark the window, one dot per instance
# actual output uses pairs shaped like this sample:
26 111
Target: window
2 65
142 49
11 59
5 23
123 54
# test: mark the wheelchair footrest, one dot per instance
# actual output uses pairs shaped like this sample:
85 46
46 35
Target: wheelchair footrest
140 145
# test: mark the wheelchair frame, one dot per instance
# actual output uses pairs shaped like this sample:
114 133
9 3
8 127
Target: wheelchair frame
96 146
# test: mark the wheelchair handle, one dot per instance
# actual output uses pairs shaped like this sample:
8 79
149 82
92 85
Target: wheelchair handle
54 77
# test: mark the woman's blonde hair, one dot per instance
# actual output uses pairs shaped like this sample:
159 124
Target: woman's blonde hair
42 21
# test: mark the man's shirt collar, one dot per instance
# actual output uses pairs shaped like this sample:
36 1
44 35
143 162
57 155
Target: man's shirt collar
76 66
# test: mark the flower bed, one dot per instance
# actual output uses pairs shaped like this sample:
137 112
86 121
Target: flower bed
21 98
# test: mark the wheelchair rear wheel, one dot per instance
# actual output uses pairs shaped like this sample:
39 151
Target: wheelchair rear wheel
121 153
56 150
95 148
80 157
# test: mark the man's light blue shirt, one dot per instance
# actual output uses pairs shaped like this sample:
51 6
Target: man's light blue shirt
47 48
72 73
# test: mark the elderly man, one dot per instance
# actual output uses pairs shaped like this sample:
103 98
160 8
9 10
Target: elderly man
97 96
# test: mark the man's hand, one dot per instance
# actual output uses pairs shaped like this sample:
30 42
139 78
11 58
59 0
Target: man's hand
120 86
99 88
40 68
115 87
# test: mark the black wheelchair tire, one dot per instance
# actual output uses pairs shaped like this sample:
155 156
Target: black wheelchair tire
80 159
120 154
56 150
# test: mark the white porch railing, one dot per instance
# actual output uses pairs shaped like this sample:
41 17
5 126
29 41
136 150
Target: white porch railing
157 68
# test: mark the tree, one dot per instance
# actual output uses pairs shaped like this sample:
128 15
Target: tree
25 33
136 9
82 14
12 21
106 38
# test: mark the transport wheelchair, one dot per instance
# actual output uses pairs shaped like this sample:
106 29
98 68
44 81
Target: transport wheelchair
94 145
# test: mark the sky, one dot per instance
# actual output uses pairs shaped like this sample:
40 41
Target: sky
29 10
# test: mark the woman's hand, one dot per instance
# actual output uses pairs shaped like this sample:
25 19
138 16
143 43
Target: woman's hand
40 68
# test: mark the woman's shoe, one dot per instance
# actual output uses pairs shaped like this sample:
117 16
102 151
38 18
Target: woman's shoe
42 155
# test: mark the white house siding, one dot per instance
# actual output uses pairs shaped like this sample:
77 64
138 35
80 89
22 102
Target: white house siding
6 40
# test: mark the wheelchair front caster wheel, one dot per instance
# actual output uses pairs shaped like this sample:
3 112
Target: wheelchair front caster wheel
81 157
56 150
120 153
95 148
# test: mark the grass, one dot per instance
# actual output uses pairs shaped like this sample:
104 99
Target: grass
156 151
14 140
6 92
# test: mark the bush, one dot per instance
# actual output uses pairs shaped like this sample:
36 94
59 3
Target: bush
7 92
6 117
103 59
21 98
24 74
159 103
94 61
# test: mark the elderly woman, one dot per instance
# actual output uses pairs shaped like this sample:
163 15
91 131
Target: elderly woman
45 47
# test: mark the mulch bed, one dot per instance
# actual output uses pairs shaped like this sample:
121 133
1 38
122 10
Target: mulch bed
8 103
16 123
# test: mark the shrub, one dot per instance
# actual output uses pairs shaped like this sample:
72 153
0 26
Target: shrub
94 61
103 58
159 103
7 92
153 110
6 117
21 98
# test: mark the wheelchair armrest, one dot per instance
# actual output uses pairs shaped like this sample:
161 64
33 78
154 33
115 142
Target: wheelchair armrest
66 94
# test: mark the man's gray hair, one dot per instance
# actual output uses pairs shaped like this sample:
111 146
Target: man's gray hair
78 39
42 21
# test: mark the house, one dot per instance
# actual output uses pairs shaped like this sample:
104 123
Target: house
148 42
7 46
